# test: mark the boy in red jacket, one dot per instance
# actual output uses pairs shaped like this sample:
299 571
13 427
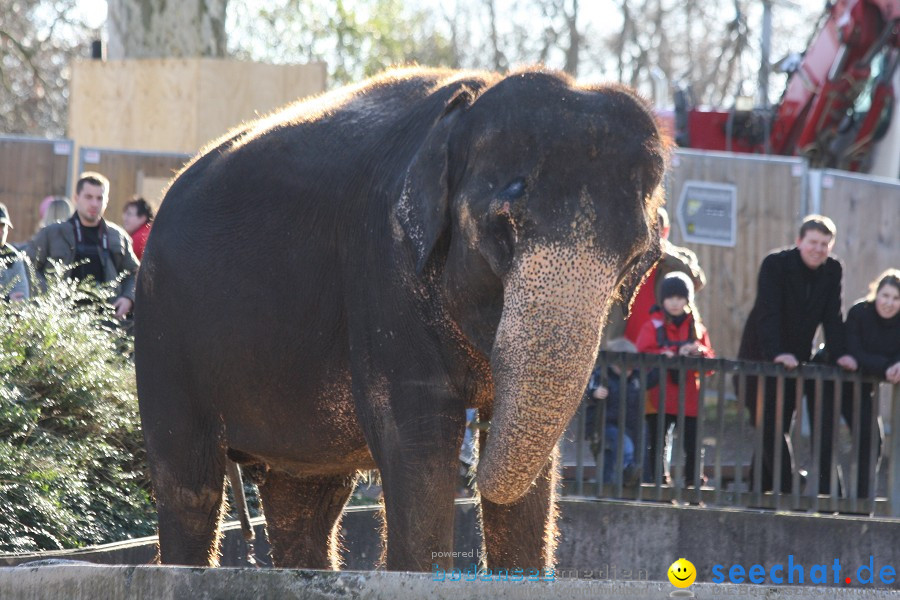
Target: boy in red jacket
673 330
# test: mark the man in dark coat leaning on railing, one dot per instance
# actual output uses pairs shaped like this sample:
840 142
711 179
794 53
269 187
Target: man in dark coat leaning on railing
798 289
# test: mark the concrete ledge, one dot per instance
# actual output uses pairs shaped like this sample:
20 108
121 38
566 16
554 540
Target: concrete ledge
91 582
608 541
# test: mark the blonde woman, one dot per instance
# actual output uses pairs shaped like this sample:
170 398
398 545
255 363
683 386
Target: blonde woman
59 209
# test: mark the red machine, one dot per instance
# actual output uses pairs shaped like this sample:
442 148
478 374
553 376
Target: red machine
838 101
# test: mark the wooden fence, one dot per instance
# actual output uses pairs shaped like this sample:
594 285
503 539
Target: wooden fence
770 204
867 214
132 173
30 170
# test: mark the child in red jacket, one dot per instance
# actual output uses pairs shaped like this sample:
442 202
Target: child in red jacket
673 330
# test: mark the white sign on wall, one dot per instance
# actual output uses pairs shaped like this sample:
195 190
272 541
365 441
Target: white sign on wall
707 213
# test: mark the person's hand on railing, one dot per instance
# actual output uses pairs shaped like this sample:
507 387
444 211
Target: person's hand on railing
893 373
847 362
601 393
693 349
788 360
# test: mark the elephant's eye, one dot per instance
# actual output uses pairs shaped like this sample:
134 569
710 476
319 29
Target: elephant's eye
514 190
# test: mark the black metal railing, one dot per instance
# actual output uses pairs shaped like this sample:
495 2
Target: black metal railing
726 441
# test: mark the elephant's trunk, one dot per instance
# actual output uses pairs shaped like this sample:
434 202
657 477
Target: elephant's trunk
554 305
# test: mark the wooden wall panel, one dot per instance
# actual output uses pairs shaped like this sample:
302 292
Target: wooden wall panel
223 103
30 170
770 206
177 105
866 212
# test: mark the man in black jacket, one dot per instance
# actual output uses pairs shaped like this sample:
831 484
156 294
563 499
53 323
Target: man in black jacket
797 290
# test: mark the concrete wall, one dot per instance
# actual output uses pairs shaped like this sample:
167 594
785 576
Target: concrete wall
82 582
616 541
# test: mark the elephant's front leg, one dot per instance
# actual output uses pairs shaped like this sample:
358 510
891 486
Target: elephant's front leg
419 473
523 534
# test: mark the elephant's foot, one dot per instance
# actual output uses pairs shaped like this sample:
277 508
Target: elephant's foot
523 534
189 527
303 518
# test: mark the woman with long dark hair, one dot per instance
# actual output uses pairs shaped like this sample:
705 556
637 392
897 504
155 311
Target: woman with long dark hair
873 339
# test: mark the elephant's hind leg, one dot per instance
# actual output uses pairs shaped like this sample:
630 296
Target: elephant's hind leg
303 518
188 472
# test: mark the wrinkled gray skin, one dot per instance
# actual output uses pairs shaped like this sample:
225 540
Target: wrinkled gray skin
327 289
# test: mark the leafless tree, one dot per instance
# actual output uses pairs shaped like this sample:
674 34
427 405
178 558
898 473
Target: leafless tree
37 41
689 40
160 28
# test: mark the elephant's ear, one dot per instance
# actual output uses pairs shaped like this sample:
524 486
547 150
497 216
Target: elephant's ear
423 210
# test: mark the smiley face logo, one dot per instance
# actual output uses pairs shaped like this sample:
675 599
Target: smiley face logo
682 573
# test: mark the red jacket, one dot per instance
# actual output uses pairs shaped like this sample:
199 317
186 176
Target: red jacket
139 239
641 308
648 341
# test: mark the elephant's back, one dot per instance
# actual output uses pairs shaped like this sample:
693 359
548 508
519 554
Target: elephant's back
298 188
305 174
253 236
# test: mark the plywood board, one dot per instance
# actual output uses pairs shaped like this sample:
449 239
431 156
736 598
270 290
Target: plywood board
231 93
177 105
152 188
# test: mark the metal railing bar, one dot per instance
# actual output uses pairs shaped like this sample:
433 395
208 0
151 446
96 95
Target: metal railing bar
679 450
894 474
855 446
720 435
834 487
579 448
698 440
742 428
660 436
759 423
620 420
816 442
875 446
799 407
641 450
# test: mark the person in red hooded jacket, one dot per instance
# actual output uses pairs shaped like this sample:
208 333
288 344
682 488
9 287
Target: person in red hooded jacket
137 218
674 330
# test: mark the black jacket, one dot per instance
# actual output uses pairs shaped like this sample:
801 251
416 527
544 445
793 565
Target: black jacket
874 342
791 302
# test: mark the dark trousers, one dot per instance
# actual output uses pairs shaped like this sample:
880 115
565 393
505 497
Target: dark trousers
689 437
771 434
868 435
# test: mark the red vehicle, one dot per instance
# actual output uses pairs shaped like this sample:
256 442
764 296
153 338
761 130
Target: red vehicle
838 102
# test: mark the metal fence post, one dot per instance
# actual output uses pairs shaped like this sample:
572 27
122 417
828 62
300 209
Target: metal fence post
894 475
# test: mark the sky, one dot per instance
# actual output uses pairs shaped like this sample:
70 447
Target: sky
95 10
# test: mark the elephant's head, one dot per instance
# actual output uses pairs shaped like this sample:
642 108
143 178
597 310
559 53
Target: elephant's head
534 202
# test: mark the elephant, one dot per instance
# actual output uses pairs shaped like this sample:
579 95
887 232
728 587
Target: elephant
327 289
